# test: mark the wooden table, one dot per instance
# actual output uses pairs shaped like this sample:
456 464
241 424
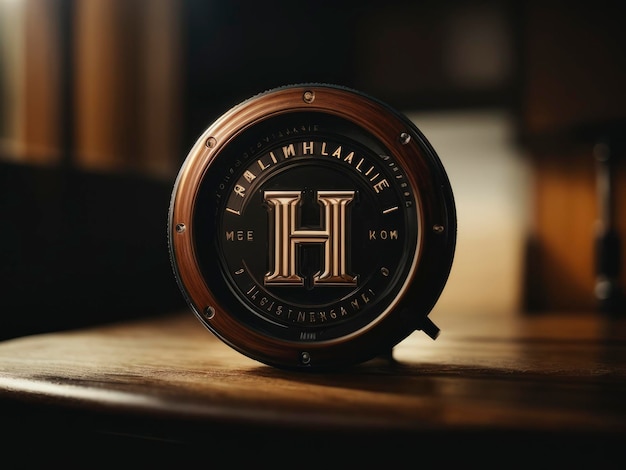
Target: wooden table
508 389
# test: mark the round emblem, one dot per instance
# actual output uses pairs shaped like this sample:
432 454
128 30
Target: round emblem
312 227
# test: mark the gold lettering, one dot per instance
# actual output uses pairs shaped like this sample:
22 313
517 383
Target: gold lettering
337 152
323 151
307 148
240 190
249 176
378 187
383 234
349 157
288 151
240 235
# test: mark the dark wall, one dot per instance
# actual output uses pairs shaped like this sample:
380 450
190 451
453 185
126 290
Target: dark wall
234 50
398 51
78 249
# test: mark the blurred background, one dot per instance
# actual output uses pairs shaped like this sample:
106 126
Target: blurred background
100 101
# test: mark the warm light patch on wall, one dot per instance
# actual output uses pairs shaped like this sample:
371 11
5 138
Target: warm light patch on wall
11 75
489 177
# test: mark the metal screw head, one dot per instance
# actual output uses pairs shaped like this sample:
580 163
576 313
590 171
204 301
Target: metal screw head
308 96
211 142
405 138
438 228
180 228
305 358
208 312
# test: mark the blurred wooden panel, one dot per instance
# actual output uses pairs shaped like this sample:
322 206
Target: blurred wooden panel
572 97
40 108
106 66
160 91
560 260
127 85
11 46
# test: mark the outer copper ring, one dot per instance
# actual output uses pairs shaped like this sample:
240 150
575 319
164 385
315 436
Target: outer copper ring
435 211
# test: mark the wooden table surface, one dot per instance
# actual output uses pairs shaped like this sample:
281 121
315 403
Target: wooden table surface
166 390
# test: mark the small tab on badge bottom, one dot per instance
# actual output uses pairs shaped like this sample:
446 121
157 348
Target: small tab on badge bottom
428 327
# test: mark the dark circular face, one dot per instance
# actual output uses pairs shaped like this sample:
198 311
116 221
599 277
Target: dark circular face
313 231
300 231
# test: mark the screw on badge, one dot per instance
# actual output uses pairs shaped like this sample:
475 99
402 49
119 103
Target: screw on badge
321 230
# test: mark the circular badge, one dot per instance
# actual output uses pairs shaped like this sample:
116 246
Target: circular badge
312 227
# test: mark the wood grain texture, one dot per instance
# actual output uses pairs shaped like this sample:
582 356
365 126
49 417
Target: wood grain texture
545 383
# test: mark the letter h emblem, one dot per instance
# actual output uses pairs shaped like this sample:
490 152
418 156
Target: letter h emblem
287 238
